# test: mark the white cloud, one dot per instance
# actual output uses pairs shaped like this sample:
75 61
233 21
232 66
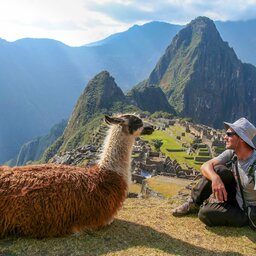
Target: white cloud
69 21
175 10
76 22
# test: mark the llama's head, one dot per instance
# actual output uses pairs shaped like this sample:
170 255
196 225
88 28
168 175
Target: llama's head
130 124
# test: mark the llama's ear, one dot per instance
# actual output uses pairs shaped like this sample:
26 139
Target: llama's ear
114 120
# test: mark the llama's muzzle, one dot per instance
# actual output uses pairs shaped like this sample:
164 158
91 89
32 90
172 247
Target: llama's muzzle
147 130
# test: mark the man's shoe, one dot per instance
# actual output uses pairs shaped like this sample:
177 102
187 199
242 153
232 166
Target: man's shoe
185 209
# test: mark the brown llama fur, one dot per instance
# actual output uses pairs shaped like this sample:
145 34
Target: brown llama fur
56 200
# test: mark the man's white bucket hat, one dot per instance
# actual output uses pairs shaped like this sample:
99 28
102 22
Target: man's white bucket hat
244 129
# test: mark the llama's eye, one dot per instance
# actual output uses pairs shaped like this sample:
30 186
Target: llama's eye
135 126
138 122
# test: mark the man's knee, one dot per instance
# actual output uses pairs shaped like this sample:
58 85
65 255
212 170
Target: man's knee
205 214
222 214
229 181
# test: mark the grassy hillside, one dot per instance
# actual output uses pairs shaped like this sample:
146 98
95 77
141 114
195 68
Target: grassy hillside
142 227
170 142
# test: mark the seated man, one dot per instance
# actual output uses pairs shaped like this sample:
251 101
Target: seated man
218 192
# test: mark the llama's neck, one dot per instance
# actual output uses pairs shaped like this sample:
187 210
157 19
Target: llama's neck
116 154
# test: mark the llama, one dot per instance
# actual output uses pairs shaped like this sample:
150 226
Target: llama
50 200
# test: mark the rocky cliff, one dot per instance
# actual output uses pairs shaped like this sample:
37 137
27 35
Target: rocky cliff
34 149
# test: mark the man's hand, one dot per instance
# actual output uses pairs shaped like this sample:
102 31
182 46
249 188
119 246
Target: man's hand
218 189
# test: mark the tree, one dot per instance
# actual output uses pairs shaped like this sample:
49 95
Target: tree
157 144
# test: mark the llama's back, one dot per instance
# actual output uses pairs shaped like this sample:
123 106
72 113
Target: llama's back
54 200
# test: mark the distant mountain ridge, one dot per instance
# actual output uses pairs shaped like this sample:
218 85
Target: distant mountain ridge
41 79
34 150
241 36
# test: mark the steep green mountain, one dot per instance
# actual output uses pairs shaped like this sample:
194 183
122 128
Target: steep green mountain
203 78
149 98
101 96
33 150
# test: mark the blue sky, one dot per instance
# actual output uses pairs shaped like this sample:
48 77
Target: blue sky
77 22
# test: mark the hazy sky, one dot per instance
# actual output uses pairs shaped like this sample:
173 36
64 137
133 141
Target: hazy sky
77 22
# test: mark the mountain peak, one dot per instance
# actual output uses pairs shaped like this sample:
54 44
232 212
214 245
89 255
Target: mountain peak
184 46
100 95
197 65
199 30
205 28
104 90
202 20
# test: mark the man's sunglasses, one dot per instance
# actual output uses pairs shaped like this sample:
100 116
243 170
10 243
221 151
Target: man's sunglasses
230 134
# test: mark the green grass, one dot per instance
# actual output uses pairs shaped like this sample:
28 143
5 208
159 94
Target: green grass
202 158
203 150
203 153
218 150
177 130
142 227
169 142
135 155
166 186
198 163
135 188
